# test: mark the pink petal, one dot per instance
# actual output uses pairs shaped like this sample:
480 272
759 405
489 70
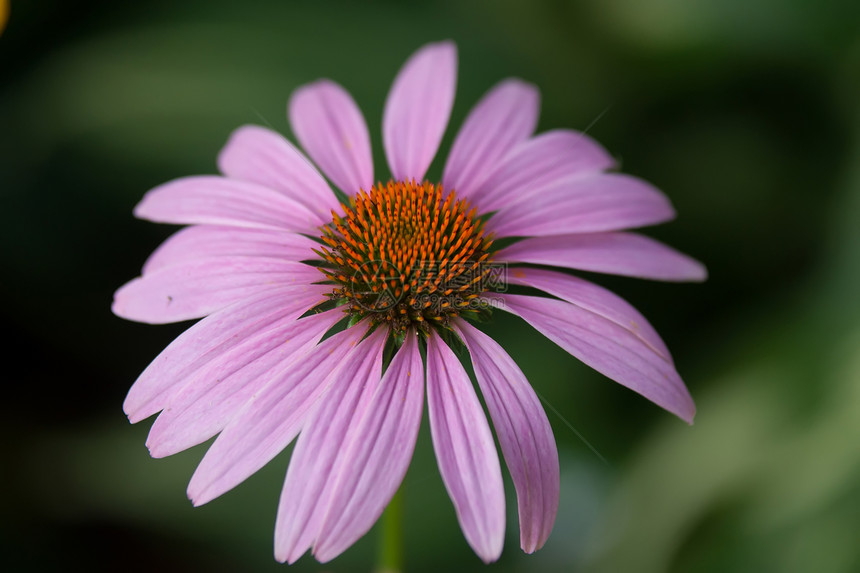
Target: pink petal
212 200
524 434
329 125
214 394
627 254
506 116
272 418
209 340
608 348
604 202
537 163
202 241
371 467
594 299
203 286
417 110
305 497
263 156
465 451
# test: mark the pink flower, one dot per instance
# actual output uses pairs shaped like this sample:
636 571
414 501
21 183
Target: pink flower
408 263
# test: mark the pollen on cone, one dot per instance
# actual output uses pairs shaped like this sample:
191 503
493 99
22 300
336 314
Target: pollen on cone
406 237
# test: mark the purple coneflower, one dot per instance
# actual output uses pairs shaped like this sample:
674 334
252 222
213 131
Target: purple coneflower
275 262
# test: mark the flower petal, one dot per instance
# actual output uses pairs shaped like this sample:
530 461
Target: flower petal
593 298
203 286
271 420
304 499
608 348
506 116
213 200
524 434
465 451
627 254
263 156
537 163
329 125
370 469
417 110
202 241
209 340
604 202
214 394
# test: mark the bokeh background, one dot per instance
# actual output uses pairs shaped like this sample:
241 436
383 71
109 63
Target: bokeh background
745 112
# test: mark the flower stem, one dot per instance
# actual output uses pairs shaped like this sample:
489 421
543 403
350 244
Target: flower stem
390 559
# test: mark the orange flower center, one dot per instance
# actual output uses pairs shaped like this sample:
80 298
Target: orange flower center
407 254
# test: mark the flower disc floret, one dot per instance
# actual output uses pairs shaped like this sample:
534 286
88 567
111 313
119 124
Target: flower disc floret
407 254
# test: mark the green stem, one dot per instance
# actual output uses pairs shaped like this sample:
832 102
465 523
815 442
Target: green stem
390 558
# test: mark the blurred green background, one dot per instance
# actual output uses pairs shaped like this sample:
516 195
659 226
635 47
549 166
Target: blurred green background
746 113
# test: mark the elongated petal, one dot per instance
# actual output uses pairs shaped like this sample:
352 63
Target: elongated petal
329 125
373 464
417 110
506 116
203 286
209 340
524 434
593 298
212 200
216 393
307 489
203 241
272 419
537 163
605 202
608 348
263 156
465 451
627 254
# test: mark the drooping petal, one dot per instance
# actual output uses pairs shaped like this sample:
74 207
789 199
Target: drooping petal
263 156
593 298
203 241
506 116
524 434
214 394
331 128
304 499
271 420
209 340
627 254
373 464
200 287
465 451
603 202
608 348
417 110
537 163
213 200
